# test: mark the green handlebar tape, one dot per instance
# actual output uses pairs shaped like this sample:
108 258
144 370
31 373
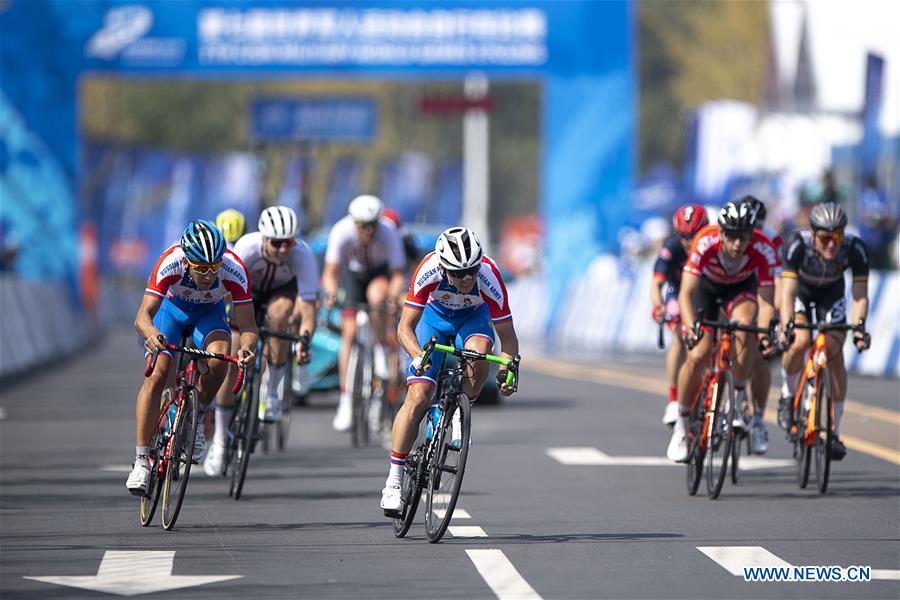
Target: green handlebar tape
504 362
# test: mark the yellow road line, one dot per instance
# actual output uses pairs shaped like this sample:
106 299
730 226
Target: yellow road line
624 379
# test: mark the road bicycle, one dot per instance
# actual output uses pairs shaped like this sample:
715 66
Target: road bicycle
280 428
436 465
172 444
243 430
711 435
811 426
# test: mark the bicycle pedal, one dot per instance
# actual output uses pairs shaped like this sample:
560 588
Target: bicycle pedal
393 514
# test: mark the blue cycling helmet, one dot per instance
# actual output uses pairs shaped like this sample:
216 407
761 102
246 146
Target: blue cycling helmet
202 242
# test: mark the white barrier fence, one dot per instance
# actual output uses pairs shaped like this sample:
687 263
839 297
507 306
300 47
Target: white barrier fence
38 322
608 309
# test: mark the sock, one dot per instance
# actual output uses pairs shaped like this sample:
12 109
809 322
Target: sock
672 391
276 380
757 416
142 455
223 416
838 413
792 380
398 461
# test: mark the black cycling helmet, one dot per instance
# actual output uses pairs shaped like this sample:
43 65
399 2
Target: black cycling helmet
759 209
736 216
828 217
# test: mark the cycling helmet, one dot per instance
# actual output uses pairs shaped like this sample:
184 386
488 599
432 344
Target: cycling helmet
828 217
231 223
202 243
689 219
736 217
391 215
278 223
365 208
458 248
758 208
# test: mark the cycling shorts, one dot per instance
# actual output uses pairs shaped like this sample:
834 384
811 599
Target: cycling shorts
171 321
261 300
356 284
713 296
474 324
828 302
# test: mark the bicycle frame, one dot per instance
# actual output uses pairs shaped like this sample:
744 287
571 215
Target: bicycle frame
816 360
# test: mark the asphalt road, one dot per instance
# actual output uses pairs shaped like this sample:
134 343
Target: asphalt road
309 524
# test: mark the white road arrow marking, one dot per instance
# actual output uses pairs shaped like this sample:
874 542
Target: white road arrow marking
458 513
129 573
116 468
588 456
734 558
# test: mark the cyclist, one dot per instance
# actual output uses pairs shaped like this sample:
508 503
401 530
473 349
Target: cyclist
760 374
686 221
284 277
813 278
455 291
373 254
186 288
231 223
729 263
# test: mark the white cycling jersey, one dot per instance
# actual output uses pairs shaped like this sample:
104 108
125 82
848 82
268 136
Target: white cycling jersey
265 276
344 247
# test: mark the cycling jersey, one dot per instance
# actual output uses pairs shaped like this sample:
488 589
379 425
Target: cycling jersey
707 259
802 262
170 280
820 290
670 262
266 276
778 244
344 247
428 288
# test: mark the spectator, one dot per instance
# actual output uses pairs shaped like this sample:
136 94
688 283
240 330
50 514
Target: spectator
877 223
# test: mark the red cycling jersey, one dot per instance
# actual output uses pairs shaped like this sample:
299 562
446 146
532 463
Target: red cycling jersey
708 259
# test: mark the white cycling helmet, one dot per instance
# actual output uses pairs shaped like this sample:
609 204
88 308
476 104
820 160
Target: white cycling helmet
365 208
458 248
278 223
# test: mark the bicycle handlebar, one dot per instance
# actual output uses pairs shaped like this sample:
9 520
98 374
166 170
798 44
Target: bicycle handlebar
239 382
860 327
511 364
728 327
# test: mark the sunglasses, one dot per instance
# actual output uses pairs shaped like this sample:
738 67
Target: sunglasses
825 237
369 225
462 273
737 235
281 243
206 269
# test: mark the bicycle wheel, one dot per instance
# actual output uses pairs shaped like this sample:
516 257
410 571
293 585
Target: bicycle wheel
739 436
824 410
181 450
283 426
157 451
446 468
243 433
696 452
721 437
801 450
414 476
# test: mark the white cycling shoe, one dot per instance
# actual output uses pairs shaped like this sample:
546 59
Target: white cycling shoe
678 445
139 480
671 415
390 499
214 465
759 439
343 418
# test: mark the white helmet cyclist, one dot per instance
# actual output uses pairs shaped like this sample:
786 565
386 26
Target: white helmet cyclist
278 223
365 208
458 248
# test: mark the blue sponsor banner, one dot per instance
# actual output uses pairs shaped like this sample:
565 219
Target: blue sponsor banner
871 113
580 52
314 119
